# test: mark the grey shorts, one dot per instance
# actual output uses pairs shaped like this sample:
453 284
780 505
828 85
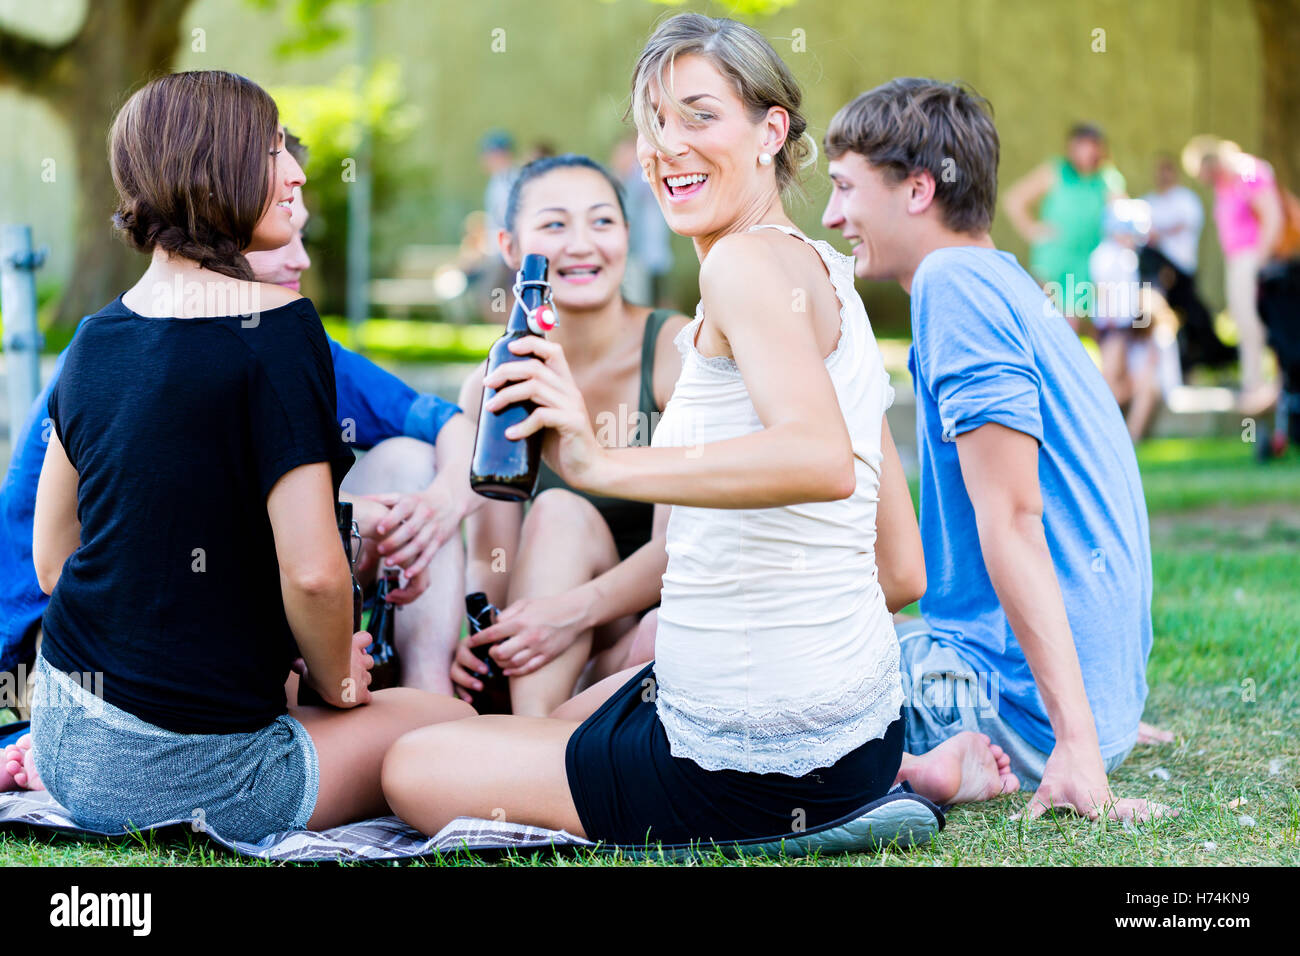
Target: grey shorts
945 694
113 771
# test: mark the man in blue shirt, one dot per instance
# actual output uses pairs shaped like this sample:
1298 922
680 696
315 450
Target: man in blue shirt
409 493
1037 619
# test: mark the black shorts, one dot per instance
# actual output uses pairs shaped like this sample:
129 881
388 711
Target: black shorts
630 790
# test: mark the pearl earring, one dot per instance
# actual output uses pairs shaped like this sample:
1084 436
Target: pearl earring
765 159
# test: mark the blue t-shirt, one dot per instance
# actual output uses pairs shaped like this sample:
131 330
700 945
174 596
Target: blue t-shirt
988 346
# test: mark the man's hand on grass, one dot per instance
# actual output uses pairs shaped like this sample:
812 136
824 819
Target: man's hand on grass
1076 781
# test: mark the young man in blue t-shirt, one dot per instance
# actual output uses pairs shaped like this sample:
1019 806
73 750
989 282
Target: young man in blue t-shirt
1036 624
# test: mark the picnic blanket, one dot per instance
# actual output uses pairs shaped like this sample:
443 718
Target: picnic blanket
900 818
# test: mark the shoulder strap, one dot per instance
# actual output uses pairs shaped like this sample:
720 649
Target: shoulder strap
820 246
786 229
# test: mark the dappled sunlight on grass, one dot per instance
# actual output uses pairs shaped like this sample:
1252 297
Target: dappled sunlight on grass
1156 452
413 341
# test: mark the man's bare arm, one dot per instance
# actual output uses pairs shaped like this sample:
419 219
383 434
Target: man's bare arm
999 467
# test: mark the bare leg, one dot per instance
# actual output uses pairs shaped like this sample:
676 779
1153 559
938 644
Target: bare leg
1145 391
583 705
564 543
350 745
635 648
1114 364
965 768
1241 277
494 767
642 651
426 629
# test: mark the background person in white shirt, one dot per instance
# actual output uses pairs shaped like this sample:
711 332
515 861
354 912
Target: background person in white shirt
1168 261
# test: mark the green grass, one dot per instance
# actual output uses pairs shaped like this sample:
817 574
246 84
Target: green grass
1180 474
407 340
400 340
1223 675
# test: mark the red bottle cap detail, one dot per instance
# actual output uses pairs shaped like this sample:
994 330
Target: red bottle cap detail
542 319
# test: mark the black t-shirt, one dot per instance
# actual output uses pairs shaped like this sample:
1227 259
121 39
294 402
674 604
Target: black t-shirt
178 429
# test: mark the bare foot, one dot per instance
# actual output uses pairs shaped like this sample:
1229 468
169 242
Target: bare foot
7 781
1149 734
19 770
966 768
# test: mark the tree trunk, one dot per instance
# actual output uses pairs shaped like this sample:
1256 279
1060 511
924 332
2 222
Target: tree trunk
121 44
1279 28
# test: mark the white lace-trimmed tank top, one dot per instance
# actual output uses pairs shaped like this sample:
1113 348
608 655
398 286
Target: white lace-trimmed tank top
775 651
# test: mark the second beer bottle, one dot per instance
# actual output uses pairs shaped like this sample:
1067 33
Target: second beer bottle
506 468
382 625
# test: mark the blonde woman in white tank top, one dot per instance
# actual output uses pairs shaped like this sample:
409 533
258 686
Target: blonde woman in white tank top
775 651
774 697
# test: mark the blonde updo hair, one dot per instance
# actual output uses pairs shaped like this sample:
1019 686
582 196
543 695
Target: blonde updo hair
1205 146
741 54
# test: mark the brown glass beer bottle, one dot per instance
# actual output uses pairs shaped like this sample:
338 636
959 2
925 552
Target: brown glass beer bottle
494 698
387 671
506 468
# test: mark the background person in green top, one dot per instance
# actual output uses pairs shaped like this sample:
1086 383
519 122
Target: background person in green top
1070 194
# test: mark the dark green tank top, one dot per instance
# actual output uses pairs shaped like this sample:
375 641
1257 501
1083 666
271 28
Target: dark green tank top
630 522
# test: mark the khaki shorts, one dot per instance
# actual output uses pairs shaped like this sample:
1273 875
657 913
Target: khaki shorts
944 694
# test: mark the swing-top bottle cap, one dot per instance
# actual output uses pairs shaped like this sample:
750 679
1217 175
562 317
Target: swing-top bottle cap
542 319
534 270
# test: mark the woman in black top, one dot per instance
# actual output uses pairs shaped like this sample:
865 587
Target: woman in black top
185 515
572 575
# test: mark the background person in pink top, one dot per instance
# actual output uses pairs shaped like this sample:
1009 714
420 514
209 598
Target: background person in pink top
1248 214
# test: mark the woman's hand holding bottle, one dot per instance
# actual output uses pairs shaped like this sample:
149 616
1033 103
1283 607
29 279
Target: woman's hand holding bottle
570 445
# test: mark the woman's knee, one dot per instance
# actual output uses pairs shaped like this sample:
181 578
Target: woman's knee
396 464
405 775
561 521
559 509
425 771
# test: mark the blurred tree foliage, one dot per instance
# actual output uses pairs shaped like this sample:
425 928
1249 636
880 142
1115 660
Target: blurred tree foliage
86 77
1279 30
313 24
329 120
739 9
